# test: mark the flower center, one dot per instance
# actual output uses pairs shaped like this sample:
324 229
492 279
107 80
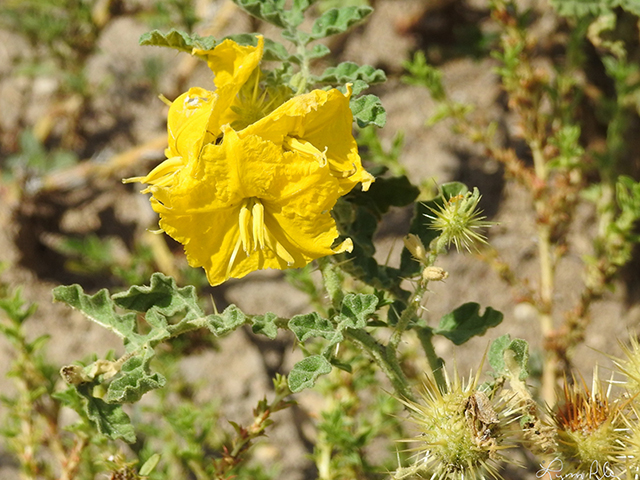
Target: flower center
254 234
255 102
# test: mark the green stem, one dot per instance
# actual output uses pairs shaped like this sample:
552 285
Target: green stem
436 363
305 70
378 354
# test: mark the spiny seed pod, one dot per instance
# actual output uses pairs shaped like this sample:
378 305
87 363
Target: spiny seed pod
458 221
630 366
460 432
631 449
590 429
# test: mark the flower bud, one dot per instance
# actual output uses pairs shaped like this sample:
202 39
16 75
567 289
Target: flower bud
434 274
416 247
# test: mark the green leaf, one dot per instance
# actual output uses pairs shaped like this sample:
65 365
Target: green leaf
357 216
109 419
349 72
386 192
305 373
631 6
466 322
271 11
100 309
510 358
356 310
318 51
162 295
265 324
134 380
227 321
178 40
313 325
368 110
584 8
149 465
338 20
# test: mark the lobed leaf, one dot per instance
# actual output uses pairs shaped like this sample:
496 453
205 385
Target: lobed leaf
227 321
265 324
162 295
271 11
349 72
356 310
466 322
318 51
100 309
338 20
176 39
313 325
109 419
135 380
367 110
305 373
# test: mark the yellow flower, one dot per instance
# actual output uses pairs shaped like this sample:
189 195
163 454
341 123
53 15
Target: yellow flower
247 205
317 125
250 181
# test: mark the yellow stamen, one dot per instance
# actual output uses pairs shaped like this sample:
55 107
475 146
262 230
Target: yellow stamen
258 224
302 147
245 221
254 234
232 259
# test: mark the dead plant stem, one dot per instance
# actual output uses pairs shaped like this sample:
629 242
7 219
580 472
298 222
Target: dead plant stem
545 306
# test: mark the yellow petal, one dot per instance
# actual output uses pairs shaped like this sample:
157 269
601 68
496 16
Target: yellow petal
232 63
187 123
322 120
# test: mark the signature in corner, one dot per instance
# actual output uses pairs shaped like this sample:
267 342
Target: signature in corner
556 466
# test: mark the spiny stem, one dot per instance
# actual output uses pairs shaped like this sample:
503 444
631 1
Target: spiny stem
378 354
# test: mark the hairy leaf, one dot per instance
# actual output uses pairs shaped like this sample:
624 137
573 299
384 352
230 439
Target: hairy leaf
163 295
466 322
349 72
109 419
313 325
265 324
135 380
305 373
178 40
338 20
227 321
356 310
100 309
318 51
368 110
271 11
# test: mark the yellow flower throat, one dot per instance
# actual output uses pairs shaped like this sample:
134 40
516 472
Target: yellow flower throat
254 234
